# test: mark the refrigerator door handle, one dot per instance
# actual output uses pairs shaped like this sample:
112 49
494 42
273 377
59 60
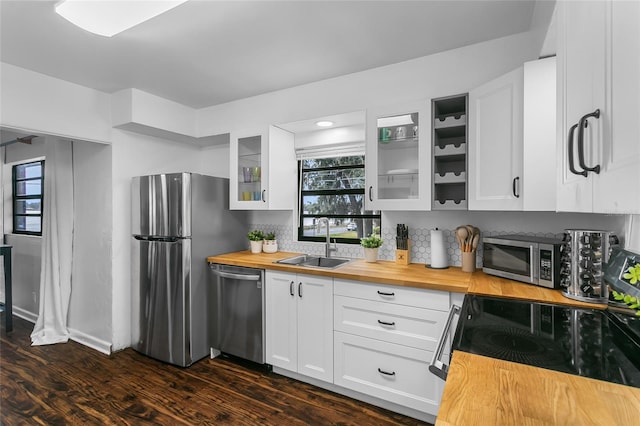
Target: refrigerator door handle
236 276
159 239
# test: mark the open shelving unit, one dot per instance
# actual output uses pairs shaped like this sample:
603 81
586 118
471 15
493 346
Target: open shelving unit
449 136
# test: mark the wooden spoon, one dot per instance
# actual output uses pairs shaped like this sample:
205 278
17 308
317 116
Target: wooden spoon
462 233
471 231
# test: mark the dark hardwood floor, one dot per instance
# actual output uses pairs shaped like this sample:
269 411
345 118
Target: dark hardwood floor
70 384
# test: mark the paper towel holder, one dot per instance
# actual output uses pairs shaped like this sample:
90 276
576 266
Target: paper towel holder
443 252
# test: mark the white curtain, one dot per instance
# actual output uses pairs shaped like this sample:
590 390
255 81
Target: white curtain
57 244
632 233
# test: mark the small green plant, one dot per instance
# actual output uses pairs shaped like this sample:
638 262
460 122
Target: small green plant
632 274
372 241
255 235
631 301
270 236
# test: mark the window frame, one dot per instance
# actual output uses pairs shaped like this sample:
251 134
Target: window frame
357 191
17 198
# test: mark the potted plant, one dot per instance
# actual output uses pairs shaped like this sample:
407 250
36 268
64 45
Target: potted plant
270 244
255 240
371 245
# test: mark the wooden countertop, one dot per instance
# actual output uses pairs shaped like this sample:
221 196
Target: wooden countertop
486 391
413 275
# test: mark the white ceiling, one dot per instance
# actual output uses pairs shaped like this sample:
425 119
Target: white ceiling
204 53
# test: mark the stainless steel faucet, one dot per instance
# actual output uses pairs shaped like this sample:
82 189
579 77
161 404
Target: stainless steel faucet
328 248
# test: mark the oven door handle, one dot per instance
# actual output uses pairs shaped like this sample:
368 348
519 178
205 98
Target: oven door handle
437 367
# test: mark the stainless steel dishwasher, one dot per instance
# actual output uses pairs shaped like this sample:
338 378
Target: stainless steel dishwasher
239 322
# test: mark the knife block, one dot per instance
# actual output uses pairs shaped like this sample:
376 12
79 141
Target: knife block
403 257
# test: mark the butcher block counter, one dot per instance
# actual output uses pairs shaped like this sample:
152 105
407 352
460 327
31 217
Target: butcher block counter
487 391
413 275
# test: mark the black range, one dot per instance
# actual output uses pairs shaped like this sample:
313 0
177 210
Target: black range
599 344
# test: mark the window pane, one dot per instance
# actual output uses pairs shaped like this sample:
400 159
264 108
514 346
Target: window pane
28 224
31 170
341 227
28 206
333 162
29 187
333 204
333 179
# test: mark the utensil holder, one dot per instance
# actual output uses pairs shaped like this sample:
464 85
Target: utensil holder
468 261
403 257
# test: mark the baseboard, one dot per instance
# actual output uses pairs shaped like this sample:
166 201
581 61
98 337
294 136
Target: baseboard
90 341
75 335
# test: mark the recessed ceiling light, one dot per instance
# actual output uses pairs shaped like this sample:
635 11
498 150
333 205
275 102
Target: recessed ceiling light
108 18
324 123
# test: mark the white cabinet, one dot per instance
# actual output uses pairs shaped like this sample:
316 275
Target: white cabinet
263 170
384 340
495 143
512 140
398 156
598 86
299 330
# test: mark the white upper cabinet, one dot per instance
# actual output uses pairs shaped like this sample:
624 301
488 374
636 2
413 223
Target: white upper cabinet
512 140
263 170
495 144
398 158
599 106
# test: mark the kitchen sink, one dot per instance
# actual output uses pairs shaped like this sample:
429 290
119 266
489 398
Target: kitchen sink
314 261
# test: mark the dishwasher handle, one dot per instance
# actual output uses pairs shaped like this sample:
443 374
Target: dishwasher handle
231 275
437 367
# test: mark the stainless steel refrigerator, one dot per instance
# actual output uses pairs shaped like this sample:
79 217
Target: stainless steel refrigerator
178 220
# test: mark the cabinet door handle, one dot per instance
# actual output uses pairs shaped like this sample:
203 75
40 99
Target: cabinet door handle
516 187
264 195
382 293
300 290
386 373
370 193
291 288
570 152
389 324
581 126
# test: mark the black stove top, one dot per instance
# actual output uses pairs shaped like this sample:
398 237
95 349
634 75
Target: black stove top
592 343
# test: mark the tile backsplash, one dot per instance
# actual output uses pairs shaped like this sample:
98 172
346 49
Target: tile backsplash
420 244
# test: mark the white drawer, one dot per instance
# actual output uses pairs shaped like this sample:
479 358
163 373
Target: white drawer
391 372
403 325
420 298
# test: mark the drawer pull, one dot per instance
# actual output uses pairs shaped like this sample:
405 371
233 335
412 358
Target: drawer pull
388 324
386 373
383 293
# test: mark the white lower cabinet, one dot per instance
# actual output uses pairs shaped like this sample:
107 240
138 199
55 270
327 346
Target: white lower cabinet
394 373
299 330
384 338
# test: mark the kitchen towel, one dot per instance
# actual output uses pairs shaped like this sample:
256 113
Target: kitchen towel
438 251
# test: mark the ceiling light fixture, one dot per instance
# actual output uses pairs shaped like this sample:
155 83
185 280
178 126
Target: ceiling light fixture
324 123
108 18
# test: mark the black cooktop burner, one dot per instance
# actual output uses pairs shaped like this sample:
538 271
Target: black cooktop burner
513 344
586 342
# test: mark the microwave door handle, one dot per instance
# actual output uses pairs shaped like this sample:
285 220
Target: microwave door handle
437 367
535 264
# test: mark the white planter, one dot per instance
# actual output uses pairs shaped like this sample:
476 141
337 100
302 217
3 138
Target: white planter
270 246
370 254
255 246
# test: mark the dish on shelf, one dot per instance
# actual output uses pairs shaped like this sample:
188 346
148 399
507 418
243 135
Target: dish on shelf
402 171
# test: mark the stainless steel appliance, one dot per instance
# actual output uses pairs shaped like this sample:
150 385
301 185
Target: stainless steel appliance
533 260
177 221
595 343
239 299
585 255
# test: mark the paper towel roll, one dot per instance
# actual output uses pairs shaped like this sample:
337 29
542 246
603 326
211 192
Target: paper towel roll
438 250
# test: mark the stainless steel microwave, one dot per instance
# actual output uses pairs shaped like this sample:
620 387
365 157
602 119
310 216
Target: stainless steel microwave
532 260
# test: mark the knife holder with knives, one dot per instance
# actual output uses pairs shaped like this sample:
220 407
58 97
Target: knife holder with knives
403 245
